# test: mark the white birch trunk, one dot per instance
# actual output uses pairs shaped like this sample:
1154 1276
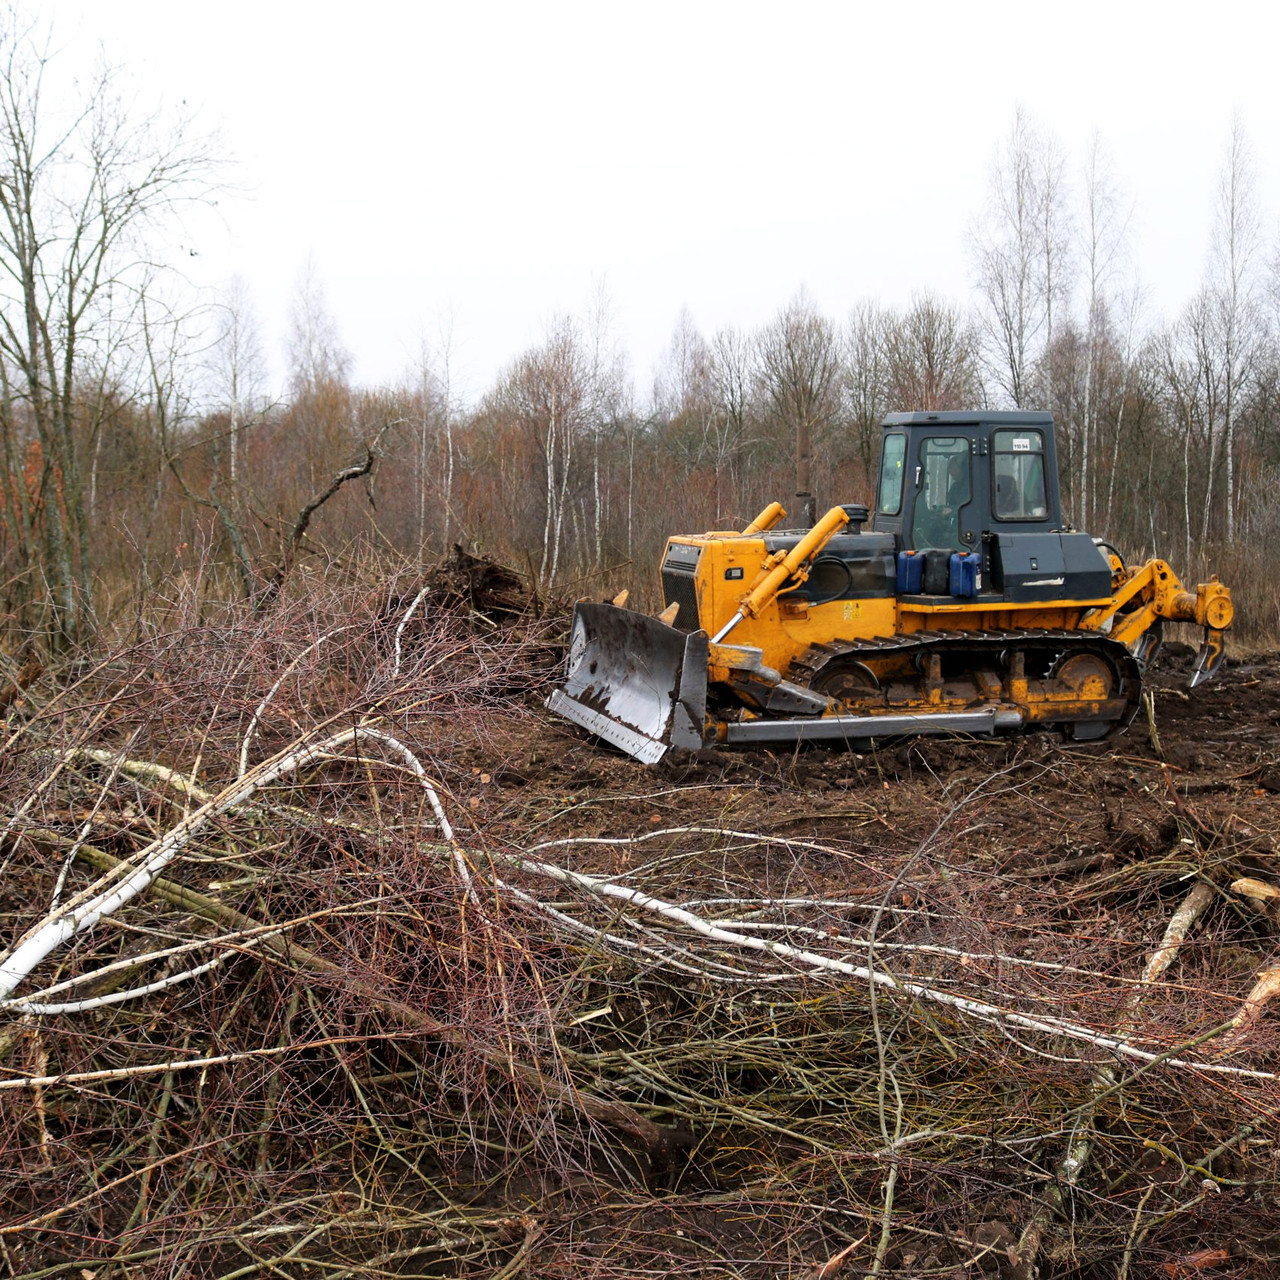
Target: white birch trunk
448 472
598 511
1186 487
566 458
550 455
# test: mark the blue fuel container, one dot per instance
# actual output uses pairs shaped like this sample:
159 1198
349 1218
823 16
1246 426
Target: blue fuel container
910 573
966 574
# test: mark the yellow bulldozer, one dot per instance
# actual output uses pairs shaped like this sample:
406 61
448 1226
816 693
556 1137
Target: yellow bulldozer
966 607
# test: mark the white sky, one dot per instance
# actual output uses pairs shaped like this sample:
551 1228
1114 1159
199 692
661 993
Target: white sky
496 161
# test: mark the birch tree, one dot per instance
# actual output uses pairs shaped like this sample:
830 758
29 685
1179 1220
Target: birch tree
434 414
317 356
238 367
1019 247
1054 247
1235 247
606 407
319 380
1128 359
1104 226
682 387
546 394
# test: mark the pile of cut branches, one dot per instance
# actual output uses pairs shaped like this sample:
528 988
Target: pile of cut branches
324 949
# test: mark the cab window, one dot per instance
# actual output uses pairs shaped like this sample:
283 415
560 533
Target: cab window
945 485
1018 475
892 456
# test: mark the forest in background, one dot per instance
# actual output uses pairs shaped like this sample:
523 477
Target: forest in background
140 447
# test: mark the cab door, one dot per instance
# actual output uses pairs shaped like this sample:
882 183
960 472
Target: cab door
950 494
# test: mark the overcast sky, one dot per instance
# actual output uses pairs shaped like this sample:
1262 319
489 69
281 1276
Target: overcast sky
494 163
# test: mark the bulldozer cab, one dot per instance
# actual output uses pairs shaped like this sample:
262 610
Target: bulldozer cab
947 480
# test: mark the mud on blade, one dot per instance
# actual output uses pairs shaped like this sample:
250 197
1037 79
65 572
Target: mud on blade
634 681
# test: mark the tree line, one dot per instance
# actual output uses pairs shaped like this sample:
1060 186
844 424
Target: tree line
139 448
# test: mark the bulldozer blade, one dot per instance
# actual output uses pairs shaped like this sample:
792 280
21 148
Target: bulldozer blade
634 681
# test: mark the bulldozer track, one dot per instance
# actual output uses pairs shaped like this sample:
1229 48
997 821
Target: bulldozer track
1044 653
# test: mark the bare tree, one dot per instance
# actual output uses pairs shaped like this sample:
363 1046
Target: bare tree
234 370
1016 249
1106 221
608 391
798 357
701 395
167 334
84 181
1129 362
867 393
1273 286
1235 247
237 364
1194 384
731 378
319 373
317 356
682 387
733 426
1054 245
434 413
931 357
546 394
